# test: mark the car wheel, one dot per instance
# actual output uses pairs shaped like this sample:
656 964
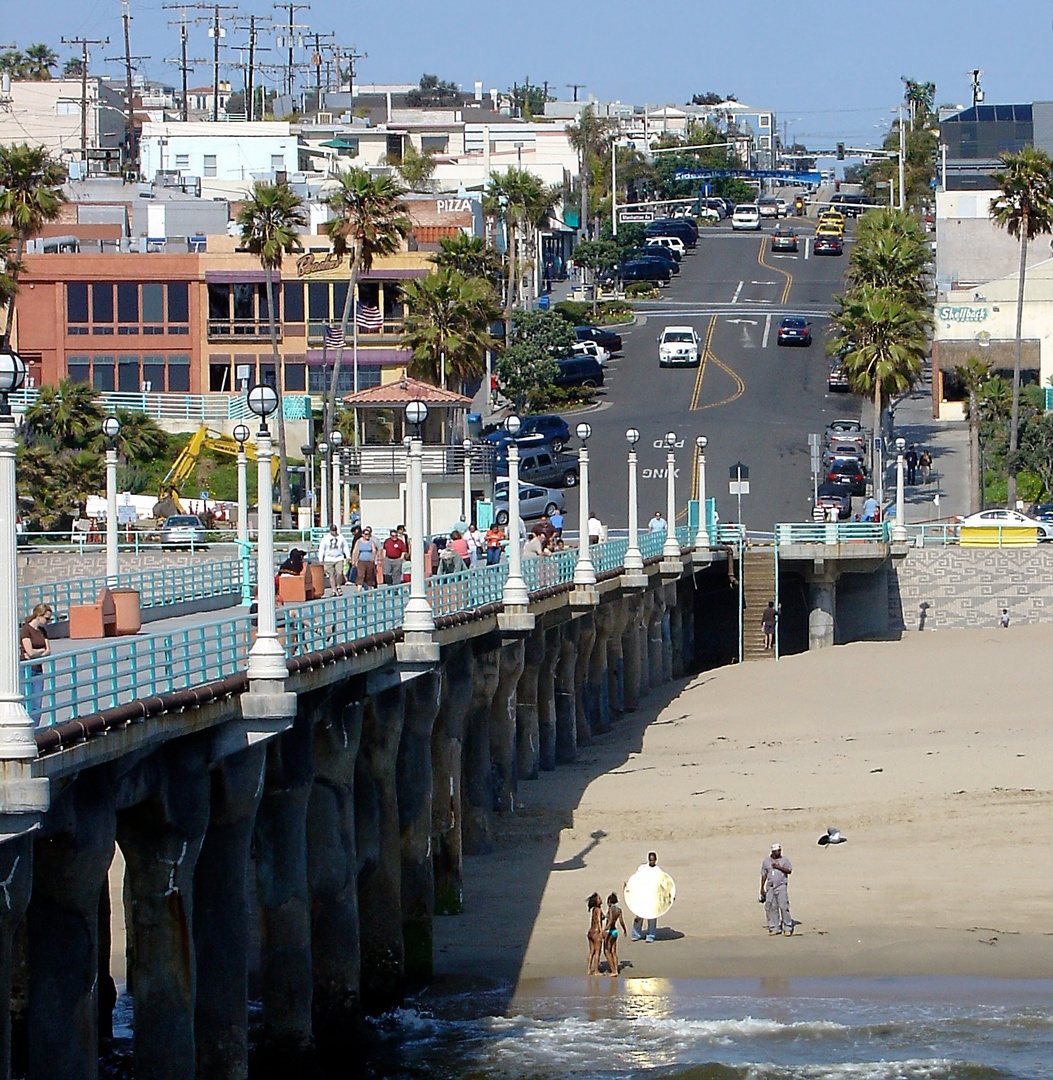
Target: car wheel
502 517
571 479
550 509
557 446
589 383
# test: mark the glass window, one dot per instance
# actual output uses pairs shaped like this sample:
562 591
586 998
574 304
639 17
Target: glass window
128 302
268 377
77 302
178 302
434 144
210 165
102 303
318 300
128 374
219 377
102 373
77 368
182 161
296 377
339 299
179 374
244 301
219 302
153 374
153 303
293 297
262 289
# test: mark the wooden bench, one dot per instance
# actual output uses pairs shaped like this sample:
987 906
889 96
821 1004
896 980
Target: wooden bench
94 620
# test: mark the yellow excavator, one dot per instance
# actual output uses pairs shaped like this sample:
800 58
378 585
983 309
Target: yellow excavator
186 462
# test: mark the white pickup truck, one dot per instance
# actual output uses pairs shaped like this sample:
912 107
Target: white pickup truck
678 345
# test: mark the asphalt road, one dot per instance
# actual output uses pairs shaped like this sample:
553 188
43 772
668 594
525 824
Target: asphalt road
754 401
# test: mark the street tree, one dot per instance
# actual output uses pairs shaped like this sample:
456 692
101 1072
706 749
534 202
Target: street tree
416 169
1036 449
599 257
973 374
1024 208
468 255
527 368
891 252
370 221
270 220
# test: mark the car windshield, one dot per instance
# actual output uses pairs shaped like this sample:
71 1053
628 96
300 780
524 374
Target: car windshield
679 335
794 324
182 521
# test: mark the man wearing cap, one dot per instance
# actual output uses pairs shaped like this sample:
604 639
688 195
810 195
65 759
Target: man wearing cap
394 558
333 554
775 870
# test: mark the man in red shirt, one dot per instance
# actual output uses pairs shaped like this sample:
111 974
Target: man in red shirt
394 555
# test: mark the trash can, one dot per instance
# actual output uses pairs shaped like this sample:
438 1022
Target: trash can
542 303
126 608
304 518
475 425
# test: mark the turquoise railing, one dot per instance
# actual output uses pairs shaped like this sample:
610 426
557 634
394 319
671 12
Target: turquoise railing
356 614
840 533
610 555
544 571
651 544
175 406
467 589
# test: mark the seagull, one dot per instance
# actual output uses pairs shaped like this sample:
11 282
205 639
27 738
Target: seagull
832 836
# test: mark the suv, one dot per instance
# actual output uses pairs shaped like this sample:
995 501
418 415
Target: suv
578 371
611 341
663 254
684 228
553 428
768 206
673 244
646 270
678 345
746 216
544 468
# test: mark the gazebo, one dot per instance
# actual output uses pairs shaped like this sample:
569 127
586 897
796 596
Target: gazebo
380 413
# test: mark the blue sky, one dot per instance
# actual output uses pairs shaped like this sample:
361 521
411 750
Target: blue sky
832 71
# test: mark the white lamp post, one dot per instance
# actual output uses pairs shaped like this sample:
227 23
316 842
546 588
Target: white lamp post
336 440
584 572
466 446
899 530
267 657
323 484
633 556
671 547
345 458
417 616
702 536
241 435
111 428
16 725
515 591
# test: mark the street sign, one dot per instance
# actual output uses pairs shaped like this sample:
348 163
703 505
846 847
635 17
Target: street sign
738 471
204 496
738 487
636 215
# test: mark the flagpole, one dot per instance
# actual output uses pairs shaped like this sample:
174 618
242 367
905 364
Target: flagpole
354 348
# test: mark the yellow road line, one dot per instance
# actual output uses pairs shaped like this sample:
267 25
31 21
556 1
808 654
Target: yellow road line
707 356
702 365
777 269
740 386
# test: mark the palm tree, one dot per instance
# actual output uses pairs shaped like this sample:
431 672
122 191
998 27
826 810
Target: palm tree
882 342
891 252
72 68
8 276
40 59
1024 208
269 221
468 255
66 416
588 136
30 194
416 168
140 438
448 326
974 373
371 220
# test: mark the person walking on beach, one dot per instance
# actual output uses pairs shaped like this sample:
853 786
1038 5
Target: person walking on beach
595 934
1004 618
775 872
768 625
652 924
610 933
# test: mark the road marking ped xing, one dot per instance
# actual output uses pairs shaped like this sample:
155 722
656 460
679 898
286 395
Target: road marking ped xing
735 298
777 270
767 331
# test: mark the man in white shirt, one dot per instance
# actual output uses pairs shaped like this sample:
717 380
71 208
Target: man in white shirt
657 523
476 543
595 529
333 554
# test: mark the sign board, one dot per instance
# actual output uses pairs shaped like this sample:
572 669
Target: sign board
635 215
813 448
126 515
784 175
739 487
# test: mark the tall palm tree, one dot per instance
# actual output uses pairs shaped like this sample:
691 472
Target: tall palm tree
66 416
1024 208
371 220
140 437
8 275
468 255
891 252
269 221
30 194
40 59
589 137
448 326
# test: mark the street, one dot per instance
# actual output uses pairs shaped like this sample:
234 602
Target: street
754 401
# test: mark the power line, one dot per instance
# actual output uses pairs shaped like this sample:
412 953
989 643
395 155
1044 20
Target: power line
292 26
184 66
84 43
131 142
250 69
576 86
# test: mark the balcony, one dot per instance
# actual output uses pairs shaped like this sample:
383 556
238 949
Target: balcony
392 328
241 330
388 463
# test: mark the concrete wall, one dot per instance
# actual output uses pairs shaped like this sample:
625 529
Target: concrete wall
861 611
938 588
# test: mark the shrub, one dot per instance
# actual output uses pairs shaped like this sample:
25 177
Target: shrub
575 312
641 290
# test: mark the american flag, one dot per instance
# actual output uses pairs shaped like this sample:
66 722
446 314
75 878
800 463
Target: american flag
334 337
369 317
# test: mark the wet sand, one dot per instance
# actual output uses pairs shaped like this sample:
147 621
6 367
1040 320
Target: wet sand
931 755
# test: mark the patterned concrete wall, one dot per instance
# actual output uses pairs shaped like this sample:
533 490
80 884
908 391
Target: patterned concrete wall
35 568
934 588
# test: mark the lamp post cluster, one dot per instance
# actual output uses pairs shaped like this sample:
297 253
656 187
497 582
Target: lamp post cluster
111 428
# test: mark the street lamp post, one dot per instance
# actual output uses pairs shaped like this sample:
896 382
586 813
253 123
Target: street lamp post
241 435
633 556
266 657
466 446
515 590
899 530
584 572
671 547
417 617
16 725
323 484
336 440
702 536
345 457
111 428
308 460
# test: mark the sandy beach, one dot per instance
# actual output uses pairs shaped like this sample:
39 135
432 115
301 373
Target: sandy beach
931 754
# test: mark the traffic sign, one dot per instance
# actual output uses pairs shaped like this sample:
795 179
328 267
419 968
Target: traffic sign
738 487
636 215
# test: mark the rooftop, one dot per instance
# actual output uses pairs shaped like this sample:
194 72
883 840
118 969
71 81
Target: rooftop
404 391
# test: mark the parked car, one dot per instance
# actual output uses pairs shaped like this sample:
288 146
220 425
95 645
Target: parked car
590 348
553 428
182 530
611 341
849 473
673 244
1010 519
661 253
845 429
830 495
1042 511
683 227
828 245
793 330
783 239
543 467
533 501
500 439
843 450
837 380
578 371
655 270
717 204
768 206
678 345
746 216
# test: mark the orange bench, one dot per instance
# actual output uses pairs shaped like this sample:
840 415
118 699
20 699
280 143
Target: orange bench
94 620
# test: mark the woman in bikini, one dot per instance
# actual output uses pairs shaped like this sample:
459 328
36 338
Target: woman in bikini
610 933
595 934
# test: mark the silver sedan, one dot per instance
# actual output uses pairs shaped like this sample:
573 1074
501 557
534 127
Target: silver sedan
533 502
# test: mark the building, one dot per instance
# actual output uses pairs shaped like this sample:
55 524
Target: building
972 141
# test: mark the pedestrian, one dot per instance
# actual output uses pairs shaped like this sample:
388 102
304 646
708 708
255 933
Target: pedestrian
32 644
395 552
476 544
657 524
294 564
775 872
910 459
925 465
595 529
493 391
557 522
333 554
458 543
870 509
1004 620
610 933
495 538
639 933
818 513
595 934
534 546
545 527
364 559
768 617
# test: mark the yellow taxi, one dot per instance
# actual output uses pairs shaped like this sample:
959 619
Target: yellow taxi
832 217
831 227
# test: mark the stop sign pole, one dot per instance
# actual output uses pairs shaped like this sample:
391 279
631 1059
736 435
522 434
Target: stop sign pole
739 484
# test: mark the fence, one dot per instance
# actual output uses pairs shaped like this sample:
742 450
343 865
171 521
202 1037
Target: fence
845 532
174 406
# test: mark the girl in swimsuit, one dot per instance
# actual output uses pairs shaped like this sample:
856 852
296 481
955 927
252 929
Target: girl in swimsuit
595 934
610 933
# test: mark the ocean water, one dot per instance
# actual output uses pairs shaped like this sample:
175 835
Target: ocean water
767 1029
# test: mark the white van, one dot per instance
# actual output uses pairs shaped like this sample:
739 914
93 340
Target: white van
673 243
746 216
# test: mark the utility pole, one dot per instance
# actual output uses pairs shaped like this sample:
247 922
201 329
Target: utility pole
250 71
978 94
216 32
184 67
84 43
290 41
316 63
131 142
576 86
352 57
